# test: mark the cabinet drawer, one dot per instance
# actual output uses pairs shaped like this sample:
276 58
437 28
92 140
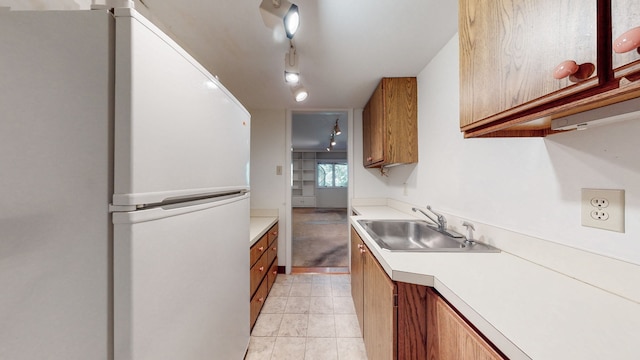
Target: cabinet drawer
272 252
256 303
258 249
273 273
273 234
257 273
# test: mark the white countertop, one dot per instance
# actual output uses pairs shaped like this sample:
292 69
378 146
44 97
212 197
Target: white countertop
258 226
527 310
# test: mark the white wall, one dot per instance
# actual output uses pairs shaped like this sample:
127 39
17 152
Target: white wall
331 198
268 150
46 5
528 185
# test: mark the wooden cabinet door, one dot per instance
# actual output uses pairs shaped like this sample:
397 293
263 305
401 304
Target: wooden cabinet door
625 16
357 281
373 128
380 312
449 337
366 135
510 48
377 125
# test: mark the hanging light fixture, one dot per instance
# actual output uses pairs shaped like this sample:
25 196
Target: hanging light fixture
275 12
331 143
299 93
336 128
291 67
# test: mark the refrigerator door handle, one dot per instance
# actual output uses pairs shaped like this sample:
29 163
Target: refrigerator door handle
121 208
175 209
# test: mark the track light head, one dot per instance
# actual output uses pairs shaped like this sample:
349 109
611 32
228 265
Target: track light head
291 21
336 128
299 93
276 12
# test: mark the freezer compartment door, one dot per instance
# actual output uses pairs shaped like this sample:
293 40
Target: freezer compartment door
181 280
178 131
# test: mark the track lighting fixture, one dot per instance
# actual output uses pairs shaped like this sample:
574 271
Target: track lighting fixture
275 12
291 68
299 92
336 128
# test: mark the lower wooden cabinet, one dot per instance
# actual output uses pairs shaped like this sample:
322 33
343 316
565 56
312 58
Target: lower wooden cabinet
380 311
257 301
357 280
449 336
264 269
374 296
408 321
273 272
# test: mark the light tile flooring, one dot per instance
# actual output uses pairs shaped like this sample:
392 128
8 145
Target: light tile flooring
308 316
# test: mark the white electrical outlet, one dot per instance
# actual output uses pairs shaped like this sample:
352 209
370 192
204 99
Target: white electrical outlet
603 209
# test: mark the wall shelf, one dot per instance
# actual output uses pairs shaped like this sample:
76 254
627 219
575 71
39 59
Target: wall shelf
303 179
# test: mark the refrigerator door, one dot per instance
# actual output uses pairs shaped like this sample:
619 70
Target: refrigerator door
55 178
181 280
178 131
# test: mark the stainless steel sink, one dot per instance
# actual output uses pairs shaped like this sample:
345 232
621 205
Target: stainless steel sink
417 235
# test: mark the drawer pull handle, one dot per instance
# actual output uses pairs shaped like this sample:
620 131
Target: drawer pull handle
369 158
360 246
261 269
261 248
575 72
628 41
275 272
261 299
275 233
274 249
362 251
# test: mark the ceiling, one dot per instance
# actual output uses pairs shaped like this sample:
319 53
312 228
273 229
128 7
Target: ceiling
312 130
344 46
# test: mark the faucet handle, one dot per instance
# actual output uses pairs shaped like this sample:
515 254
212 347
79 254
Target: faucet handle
470 229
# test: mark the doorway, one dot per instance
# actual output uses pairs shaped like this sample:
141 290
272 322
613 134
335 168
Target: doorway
319 192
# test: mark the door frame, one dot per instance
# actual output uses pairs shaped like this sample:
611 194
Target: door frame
287 149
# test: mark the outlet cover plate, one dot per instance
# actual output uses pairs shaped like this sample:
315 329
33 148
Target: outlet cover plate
603 209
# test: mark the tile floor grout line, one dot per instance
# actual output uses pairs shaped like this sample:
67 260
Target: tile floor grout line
349 334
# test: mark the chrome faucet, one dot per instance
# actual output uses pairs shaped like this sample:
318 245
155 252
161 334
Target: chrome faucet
441 221
469 238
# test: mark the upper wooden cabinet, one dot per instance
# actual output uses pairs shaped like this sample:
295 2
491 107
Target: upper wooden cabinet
390 123
625 27
525 62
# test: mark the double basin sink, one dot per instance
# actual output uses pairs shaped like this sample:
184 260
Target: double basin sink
419 236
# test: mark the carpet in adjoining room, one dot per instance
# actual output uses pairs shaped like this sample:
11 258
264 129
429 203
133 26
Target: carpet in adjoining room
320 237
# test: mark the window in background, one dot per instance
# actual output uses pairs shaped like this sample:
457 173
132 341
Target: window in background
332 174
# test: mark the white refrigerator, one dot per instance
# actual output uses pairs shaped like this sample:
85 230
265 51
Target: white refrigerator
124 211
